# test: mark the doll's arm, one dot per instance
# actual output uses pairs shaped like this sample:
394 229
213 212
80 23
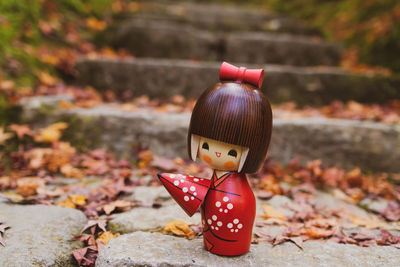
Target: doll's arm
188 191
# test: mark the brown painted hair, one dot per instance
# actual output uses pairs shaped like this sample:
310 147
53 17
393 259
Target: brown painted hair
234 113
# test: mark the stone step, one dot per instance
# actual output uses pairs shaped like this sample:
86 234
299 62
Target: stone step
220 17
39 235
154 249
145 37
304 85
345 143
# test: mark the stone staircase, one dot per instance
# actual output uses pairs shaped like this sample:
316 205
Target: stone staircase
178 49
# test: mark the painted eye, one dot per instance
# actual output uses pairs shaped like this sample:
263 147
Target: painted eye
232 153
205 146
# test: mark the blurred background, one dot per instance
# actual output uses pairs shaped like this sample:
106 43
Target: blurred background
323 59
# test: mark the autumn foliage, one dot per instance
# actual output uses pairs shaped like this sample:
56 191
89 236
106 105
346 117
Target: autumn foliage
369 28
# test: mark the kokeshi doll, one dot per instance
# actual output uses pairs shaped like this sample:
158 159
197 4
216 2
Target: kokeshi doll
230 130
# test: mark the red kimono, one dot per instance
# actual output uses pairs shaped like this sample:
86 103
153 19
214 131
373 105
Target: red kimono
228 208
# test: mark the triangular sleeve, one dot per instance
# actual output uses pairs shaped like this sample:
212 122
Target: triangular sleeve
188 191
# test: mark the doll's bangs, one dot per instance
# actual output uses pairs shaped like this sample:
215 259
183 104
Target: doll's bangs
236 114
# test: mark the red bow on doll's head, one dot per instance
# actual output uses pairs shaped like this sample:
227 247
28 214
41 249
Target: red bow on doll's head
229 72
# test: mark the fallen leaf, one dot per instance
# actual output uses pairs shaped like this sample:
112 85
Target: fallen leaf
4 136
179 228
317 232
373 223
105 237
73 201
85 256
3 228
51 133
95 24
99 223
6 85
13 197
145 158
69 171
298 241
270 212
21 130
118 204
28 186
78 200
387 238
46 79
65 104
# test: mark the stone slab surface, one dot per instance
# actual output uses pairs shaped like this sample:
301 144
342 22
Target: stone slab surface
222 17
145 37
39 235
345 143
150 195
165 78
146 219
146 249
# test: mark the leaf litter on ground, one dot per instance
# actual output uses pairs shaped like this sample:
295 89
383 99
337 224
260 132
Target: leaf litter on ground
44 169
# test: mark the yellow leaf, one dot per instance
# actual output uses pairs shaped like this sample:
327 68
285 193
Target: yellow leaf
179 228
67 203
14 196
50 59
46 79
69 171
78 200
65 104
270 212
105 237
95 24
374 223
59 126
146 157
51 133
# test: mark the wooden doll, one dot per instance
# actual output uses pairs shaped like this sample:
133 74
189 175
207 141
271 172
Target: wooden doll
230 130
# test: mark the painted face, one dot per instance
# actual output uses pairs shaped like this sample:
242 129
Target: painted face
219 155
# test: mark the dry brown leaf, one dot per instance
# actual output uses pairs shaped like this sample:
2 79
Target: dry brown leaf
69 171
21 130
179 228
145 157
270 212
316 232
270 184
28 186
118 204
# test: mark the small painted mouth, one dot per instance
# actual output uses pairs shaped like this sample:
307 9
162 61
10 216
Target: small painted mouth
218 154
